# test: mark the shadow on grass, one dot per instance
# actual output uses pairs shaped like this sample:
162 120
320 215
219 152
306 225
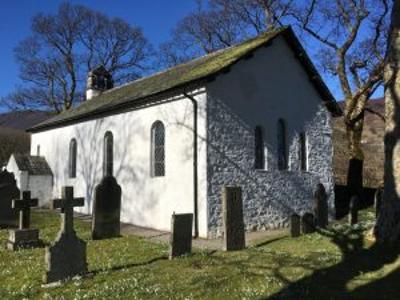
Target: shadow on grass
269 241
334 282
128 266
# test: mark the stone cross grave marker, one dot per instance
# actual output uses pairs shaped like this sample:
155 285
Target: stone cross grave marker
307 223
181 235
232 205
321 206
8 191
24 237
353 210
66 257
295 225
106 209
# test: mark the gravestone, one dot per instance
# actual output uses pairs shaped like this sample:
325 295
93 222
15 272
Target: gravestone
320 206
23 237
181 235
8 192
353 210
66 257
106 209
378 201
307 223
295 225
232 205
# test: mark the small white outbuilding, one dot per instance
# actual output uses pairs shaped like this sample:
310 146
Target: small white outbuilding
32 173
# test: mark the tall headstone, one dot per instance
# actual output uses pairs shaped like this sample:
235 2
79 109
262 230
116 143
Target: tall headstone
378 200
321 206
8 192
23 237
307 223
295 225
232 205
181 235
66 257
106 209
353 210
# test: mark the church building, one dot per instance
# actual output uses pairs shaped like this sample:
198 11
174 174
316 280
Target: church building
256 115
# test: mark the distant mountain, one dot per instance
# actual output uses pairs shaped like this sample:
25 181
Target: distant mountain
23 119
372 143
13 138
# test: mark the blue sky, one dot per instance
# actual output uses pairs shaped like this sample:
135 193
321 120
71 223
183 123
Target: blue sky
156 17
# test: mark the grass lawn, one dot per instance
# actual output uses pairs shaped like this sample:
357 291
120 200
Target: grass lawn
335 264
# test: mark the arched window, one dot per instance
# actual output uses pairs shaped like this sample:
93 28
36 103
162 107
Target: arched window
72 159
282 146
108 154
157 149
303 151
259 148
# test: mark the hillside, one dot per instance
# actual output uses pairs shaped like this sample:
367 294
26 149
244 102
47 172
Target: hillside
372 144
13 138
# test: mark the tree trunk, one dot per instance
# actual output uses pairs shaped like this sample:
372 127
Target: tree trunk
355 171
387 228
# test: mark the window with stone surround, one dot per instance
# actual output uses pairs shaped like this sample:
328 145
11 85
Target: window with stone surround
282 145
72 158
108 154
259 148
303 151
157 149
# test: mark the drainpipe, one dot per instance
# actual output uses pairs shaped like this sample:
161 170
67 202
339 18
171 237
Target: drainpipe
195 165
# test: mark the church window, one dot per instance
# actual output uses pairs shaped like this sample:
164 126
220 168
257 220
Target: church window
303 151
259 148
108 154
282 145
72 159
157 149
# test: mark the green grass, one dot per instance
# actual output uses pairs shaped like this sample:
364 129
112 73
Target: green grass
334 264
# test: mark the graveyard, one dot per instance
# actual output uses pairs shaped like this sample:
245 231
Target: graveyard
340 261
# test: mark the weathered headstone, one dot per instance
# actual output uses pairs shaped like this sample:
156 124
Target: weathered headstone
353 210
8 191
66 257
307 223
181 235
321 206
232 205
295 225
24 237
378 201
106 209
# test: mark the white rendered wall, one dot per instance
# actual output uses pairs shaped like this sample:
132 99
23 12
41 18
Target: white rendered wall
258 91
146 201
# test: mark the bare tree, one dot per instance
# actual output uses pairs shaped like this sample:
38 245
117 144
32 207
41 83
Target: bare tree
387 228
219 24
352 37
199 33
257 15
63 47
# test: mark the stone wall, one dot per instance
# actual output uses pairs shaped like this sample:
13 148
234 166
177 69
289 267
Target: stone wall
270 196
258 91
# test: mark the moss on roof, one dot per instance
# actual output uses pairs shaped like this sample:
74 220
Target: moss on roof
175 77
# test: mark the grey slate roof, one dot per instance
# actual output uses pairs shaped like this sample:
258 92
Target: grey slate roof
35 165
141 91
